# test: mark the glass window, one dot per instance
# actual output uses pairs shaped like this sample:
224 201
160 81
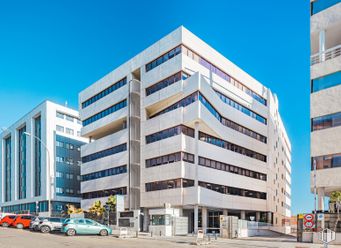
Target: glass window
60 128
326 81
60 115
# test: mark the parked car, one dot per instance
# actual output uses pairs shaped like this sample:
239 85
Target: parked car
75 226
22 221
35 223
7 220
51 224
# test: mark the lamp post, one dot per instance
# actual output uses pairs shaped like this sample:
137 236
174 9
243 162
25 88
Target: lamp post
48 168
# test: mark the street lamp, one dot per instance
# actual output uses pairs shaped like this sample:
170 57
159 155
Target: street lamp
48 167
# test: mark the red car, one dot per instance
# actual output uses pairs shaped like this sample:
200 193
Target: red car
22 221
7 220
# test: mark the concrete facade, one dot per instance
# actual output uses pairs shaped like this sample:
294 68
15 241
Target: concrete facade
223 150
41 175
325 98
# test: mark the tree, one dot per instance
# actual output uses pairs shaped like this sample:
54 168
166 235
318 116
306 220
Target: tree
97 208
71 209
335 197
111 202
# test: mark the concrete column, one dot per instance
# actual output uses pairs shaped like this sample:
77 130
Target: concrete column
225 212
269 217
320 201
145 220
204 218
196 218
257 216
242 215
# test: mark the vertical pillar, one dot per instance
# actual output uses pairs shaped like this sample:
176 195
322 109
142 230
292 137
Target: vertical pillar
196 217
242 215
204 218
321 194
322 42
145 220
225 212
257 216
270 217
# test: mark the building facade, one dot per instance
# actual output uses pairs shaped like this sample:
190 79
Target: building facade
181 125
325 98
40 161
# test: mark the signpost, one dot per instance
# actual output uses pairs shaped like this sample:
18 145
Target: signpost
326 236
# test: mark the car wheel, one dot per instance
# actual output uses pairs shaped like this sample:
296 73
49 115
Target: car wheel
35 228
45 229
20 226
71 232
5 224
103 232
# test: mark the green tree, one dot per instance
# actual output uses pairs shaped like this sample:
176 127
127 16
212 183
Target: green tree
335 197
111 202
71 209
97 208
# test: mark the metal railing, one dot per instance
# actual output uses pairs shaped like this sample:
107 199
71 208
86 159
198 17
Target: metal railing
326 55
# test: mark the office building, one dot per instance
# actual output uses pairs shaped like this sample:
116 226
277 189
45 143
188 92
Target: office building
325 98
180 125
40 161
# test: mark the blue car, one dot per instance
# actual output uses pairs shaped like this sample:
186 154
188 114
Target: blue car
76 226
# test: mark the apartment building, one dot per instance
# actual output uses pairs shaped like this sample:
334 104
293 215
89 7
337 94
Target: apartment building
40 161
325 98
180 125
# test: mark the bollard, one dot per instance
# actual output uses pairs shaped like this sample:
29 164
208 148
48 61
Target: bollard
137 234
160 234
151 233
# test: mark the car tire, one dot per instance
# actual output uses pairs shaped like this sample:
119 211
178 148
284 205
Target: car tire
45 229
20 226
70 232
35 228
103 232
5 224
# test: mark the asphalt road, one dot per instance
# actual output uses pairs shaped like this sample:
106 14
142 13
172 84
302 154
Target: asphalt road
14 238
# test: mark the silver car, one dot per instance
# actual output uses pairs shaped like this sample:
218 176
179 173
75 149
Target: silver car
51 224
35 223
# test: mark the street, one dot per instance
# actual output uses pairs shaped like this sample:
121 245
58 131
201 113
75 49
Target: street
14 238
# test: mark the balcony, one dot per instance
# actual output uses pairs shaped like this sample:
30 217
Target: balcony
320 5
326 55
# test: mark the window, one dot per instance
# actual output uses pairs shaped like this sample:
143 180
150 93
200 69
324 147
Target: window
326 121
69 131
69 176
60 115
230 168
326 161
78 133
105 173
105 193
160 220
60 128
105 92
105 112
59 190
69 118
166 82
230 146
162 59
326 82
169 184
59 174
170 132
104 153
170 158
222 74
241 108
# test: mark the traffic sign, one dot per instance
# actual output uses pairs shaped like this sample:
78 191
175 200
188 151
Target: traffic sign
308 217
309 224
320 216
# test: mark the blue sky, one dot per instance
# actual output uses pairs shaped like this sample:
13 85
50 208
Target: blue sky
54 49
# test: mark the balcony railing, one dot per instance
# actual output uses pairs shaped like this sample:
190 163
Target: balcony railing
326 55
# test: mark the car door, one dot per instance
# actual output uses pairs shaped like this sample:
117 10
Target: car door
81 226
91 226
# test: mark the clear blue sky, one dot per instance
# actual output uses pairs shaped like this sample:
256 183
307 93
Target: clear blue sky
54 49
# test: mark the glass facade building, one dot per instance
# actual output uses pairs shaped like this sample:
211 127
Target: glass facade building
22 163
37 157
8 174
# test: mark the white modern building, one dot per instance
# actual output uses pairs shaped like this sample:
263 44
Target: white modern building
180 125
40 161
325 98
